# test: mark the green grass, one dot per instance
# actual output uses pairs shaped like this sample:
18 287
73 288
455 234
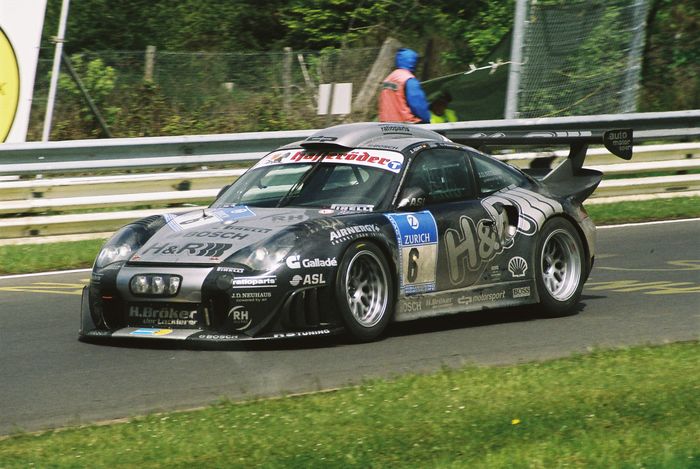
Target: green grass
15 259
659 209
630 408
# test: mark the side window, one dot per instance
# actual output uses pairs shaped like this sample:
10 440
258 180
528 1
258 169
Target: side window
443 175
493 175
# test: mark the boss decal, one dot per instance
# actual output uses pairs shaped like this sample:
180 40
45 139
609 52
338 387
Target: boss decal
417 239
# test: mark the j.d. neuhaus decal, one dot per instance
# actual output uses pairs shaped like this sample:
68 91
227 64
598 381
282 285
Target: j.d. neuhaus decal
388 160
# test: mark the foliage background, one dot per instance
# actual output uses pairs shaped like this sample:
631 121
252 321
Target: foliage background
202 44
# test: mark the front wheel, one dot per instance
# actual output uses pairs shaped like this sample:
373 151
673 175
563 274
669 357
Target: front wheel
559 267
364 291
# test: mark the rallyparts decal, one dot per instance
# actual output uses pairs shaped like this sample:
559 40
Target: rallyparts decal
416 235
382 159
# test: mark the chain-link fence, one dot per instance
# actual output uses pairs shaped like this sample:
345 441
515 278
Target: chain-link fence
183 92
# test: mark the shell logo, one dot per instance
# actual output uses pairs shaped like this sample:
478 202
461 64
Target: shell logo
9 86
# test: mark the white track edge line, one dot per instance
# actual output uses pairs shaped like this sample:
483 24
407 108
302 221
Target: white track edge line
38 274
658 222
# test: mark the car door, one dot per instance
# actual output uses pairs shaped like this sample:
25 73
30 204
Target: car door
470 236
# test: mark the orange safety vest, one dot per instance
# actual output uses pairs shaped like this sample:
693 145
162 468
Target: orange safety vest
392 99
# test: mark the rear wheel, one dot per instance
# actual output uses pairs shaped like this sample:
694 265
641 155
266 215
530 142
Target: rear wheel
560 267
364 291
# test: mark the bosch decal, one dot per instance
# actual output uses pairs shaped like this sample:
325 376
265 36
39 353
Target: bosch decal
416 235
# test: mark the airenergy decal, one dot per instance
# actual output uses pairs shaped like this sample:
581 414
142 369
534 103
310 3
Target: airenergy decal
466 300
533 208
417 239
240 317
262 281
163 316
521 292
295 262
211 250
517 267
349 232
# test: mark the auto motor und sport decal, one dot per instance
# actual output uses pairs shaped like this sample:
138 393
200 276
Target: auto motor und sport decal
417 239
382 159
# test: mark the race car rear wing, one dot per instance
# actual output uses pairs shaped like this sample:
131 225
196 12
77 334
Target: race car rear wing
569 178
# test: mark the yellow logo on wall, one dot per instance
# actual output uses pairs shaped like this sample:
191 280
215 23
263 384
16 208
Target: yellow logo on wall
9 86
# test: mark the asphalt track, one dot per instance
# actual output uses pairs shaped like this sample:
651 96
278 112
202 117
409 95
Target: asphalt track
645 288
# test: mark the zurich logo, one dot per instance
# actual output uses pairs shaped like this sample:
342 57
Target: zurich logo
412 221
394 165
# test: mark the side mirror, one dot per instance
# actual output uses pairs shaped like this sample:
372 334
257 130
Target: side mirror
412 198
223 189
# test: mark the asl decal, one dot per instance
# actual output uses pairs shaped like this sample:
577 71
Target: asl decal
417 239
308 279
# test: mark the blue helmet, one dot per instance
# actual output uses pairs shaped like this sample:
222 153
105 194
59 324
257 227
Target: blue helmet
406 58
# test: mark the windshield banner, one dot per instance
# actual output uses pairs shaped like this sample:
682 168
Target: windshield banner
382 159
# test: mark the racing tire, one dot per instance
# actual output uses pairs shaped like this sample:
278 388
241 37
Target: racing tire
364 291
559 267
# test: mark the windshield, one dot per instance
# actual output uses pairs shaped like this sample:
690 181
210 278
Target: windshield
356 180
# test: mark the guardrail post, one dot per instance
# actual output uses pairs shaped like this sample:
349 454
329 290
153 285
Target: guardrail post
150 61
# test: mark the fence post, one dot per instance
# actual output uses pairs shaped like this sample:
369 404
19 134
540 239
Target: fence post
287 80
150 61
381 68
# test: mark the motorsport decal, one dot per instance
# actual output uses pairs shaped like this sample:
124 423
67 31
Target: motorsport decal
533 208
206 216
382 159
417 239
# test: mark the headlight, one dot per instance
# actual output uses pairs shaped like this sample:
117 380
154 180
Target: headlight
122 245
267 255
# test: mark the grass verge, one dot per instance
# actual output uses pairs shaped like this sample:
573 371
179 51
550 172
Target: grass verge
17 259
623 408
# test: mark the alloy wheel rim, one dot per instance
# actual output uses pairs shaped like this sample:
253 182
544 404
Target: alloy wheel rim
561 265
366 288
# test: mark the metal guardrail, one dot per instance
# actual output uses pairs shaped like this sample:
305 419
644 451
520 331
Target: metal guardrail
28 197
145 152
